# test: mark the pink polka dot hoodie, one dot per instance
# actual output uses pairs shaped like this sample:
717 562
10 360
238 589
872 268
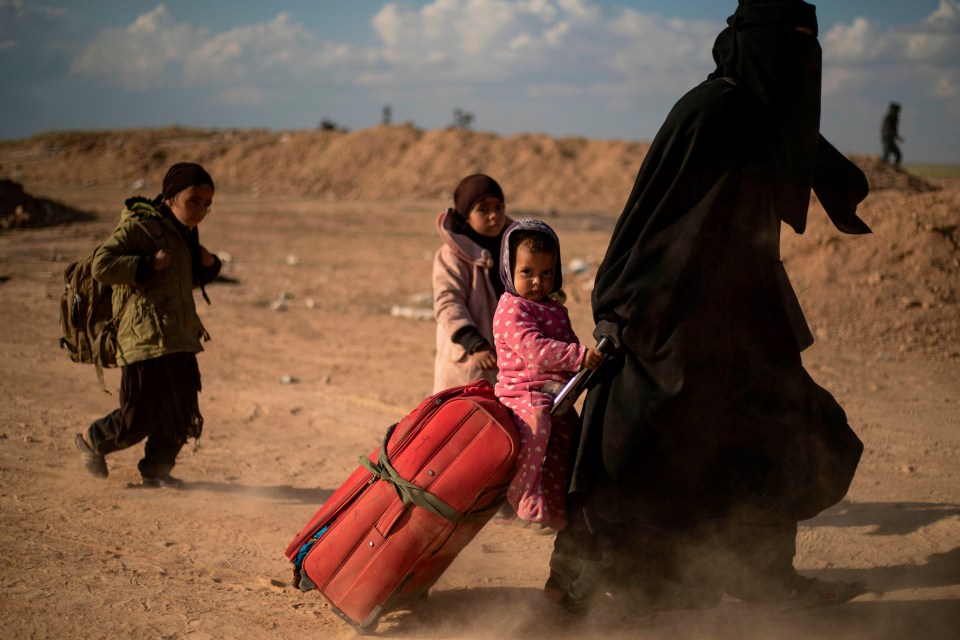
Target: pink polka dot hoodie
537 352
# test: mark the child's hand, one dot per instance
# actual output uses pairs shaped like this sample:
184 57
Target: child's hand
162 259
484 359
592 359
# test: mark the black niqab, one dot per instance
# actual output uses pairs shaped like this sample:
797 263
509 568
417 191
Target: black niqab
764 52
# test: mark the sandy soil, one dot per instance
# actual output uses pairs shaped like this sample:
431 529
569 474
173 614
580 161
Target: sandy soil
90 558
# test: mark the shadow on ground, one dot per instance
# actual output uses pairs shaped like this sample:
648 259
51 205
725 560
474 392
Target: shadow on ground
503 612
887 518
311 496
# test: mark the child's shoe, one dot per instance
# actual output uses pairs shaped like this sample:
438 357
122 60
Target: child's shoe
92 461
163 482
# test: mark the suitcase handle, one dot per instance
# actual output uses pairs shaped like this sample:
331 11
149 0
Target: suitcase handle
571 391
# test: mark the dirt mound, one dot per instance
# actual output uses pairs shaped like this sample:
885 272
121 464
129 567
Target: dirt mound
19 209
292 395
884 176
896 288
400 162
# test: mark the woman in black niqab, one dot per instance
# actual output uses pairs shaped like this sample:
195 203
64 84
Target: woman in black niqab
706 441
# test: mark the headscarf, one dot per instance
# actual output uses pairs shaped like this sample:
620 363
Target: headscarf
183 175
762 52
527 224
472 190
180 176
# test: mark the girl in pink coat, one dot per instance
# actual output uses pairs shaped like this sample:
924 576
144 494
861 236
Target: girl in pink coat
537 352
466 283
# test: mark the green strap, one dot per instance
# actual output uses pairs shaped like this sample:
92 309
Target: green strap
412 494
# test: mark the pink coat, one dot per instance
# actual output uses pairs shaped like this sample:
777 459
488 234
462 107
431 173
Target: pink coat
536 345
462 296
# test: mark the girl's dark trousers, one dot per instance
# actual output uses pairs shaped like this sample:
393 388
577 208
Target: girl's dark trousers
158 401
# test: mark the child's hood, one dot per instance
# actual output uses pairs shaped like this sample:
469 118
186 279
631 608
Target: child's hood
138 206
527 224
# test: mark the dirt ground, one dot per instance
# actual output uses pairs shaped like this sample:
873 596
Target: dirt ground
313 355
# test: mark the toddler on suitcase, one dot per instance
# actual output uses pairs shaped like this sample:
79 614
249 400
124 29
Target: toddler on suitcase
537 352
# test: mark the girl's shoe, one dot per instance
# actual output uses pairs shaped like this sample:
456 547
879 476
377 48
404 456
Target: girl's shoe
92 461
163 482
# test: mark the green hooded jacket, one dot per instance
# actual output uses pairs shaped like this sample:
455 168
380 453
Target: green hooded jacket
160 318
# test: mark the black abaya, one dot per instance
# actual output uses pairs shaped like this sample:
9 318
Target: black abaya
707 433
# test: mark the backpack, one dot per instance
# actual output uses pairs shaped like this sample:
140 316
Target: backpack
88 326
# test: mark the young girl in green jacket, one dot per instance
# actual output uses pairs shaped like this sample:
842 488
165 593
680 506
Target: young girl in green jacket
159 333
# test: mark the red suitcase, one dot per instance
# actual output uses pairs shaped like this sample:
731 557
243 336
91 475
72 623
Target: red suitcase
380 540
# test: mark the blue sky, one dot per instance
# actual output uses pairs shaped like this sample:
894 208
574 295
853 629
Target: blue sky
593 68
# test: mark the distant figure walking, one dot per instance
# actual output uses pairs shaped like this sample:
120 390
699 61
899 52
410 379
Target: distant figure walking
890 134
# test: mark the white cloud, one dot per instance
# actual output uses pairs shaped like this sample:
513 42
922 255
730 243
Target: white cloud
850 43
837 79
540 49
946 18
475 51
243 96
658 46
465 42
579 9
139 54
554 43
156 51
863 45
279 45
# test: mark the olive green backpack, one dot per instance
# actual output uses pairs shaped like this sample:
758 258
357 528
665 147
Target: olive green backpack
88 325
